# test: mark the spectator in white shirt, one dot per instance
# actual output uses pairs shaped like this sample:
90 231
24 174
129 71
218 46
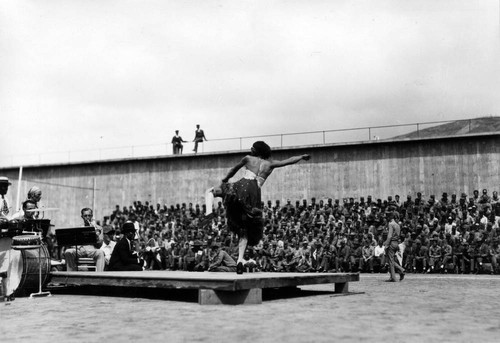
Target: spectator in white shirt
379 254
108 244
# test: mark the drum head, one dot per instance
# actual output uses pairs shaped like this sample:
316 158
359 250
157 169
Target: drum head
26 240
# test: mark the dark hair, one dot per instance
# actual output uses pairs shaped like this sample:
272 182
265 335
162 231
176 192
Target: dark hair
261 149
29 201
86 209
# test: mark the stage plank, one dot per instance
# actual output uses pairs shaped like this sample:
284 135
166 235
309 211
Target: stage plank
226 287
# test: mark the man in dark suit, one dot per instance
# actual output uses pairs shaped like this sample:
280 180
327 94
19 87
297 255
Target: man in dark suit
123 258
177 143
199 137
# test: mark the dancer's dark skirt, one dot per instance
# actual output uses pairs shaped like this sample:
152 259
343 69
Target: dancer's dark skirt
242 200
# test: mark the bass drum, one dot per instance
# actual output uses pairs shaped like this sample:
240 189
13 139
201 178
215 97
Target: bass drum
23 271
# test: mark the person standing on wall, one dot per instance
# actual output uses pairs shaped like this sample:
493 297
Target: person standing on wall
199 137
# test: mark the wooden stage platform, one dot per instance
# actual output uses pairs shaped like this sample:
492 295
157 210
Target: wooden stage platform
213 288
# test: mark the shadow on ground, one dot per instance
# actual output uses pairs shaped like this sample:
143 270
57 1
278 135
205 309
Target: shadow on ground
184 295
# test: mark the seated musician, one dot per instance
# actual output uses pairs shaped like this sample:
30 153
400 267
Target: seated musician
28 216
25 213
123 257
34 196
87 250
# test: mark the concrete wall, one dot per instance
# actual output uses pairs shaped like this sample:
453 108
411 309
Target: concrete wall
430 166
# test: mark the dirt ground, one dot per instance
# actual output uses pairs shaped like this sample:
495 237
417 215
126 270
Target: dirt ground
422 308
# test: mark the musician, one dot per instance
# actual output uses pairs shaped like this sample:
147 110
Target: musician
35 194
4 217
87 250
4 204
25 213
124 258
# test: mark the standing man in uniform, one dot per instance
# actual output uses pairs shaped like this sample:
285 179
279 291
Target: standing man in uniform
392 245
199 136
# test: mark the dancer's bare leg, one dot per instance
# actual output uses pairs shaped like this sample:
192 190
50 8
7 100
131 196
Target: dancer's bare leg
242 246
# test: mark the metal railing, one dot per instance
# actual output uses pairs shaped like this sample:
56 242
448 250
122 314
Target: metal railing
281 140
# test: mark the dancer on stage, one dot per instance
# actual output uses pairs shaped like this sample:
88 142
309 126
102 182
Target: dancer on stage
242 198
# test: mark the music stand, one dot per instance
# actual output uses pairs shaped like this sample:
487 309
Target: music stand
75 236
37 225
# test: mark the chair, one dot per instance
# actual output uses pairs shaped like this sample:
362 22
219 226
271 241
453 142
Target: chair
85 264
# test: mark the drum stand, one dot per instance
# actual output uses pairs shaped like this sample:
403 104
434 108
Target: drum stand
40 293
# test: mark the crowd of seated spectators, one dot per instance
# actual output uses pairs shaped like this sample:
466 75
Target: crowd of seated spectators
446 235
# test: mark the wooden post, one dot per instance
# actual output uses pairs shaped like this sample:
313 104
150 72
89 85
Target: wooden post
342 287
93 197
243 297
18 199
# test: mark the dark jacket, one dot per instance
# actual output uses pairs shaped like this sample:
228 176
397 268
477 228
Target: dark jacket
122 257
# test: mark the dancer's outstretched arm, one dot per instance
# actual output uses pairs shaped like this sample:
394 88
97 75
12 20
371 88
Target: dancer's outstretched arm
288 161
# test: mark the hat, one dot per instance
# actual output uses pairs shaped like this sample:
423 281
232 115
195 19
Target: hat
108 229
197 243
215 245
128 227
5 179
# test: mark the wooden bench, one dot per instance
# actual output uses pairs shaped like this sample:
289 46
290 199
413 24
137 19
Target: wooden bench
213 288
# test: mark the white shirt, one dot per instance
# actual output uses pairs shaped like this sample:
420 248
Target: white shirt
11 210
108 250
379 250
448 228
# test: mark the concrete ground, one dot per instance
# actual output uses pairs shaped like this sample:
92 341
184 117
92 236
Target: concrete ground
422 308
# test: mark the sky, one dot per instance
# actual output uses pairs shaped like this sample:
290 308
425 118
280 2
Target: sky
97 74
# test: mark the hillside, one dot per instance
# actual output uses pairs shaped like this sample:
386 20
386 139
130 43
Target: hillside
459 127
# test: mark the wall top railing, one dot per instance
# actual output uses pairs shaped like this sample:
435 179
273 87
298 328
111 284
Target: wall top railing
280 140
